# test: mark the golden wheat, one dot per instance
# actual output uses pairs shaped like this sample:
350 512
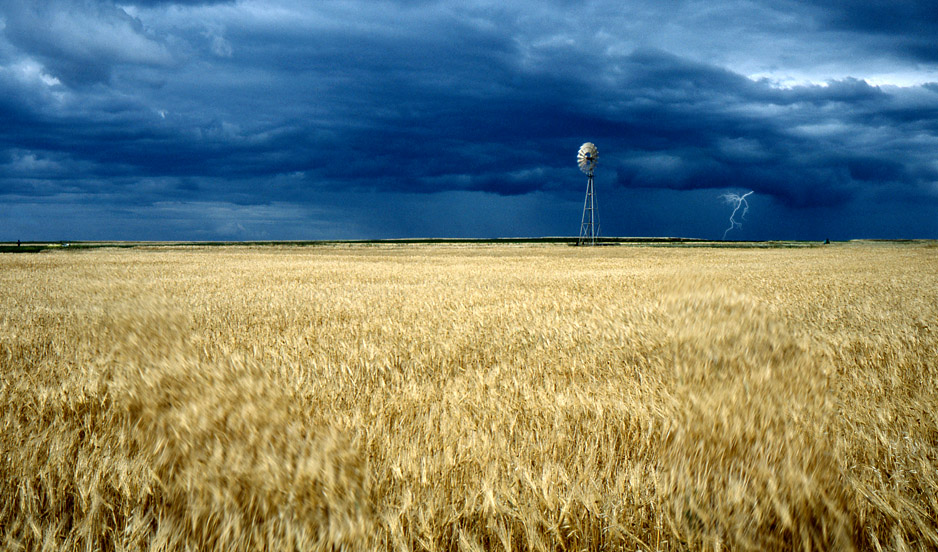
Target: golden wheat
482 397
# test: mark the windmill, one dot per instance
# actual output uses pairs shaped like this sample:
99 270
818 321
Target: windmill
586 158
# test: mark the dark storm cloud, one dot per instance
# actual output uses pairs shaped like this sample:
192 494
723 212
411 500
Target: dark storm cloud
148 102
686 125
905 28
913 22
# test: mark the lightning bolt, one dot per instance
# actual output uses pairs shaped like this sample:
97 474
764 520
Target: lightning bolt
740 202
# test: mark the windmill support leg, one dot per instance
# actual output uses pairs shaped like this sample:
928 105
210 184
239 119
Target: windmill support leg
588 222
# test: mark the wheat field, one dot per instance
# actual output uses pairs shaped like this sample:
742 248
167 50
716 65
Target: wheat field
483 397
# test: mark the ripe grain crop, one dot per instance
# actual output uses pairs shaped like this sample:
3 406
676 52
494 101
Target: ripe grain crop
486 397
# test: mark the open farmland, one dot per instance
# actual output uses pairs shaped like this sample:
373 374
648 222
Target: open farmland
483 397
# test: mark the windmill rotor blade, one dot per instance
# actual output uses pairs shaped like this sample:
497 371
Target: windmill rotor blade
587 157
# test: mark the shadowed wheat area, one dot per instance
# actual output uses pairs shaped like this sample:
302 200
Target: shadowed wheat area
487 397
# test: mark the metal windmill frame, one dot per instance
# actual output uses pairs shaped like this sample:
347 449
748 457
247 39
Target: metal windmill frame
587 158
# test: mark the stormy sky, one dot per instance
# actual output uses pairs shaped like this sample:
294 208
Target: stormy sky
338 119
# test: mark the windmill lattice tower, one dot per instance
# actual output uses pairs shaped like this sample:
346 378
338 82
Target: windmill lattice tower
589 225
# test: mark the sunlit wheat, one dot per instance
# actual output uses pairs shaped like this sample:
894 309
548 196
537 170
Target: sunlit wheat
470 398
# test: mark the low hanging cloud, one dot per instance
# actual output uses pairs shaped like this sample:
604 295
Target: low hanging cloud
700 127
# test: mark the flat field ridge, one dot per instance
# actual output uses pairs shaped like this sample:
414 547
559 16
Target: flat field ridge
470 397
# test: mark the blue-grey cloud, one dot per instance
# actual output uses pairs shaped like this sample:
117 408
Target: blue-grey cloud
912 23
79 41
254 103
161 3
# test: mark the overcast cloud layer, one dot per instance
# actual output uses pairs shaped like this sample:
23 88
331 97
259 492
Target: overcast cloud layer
289 119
